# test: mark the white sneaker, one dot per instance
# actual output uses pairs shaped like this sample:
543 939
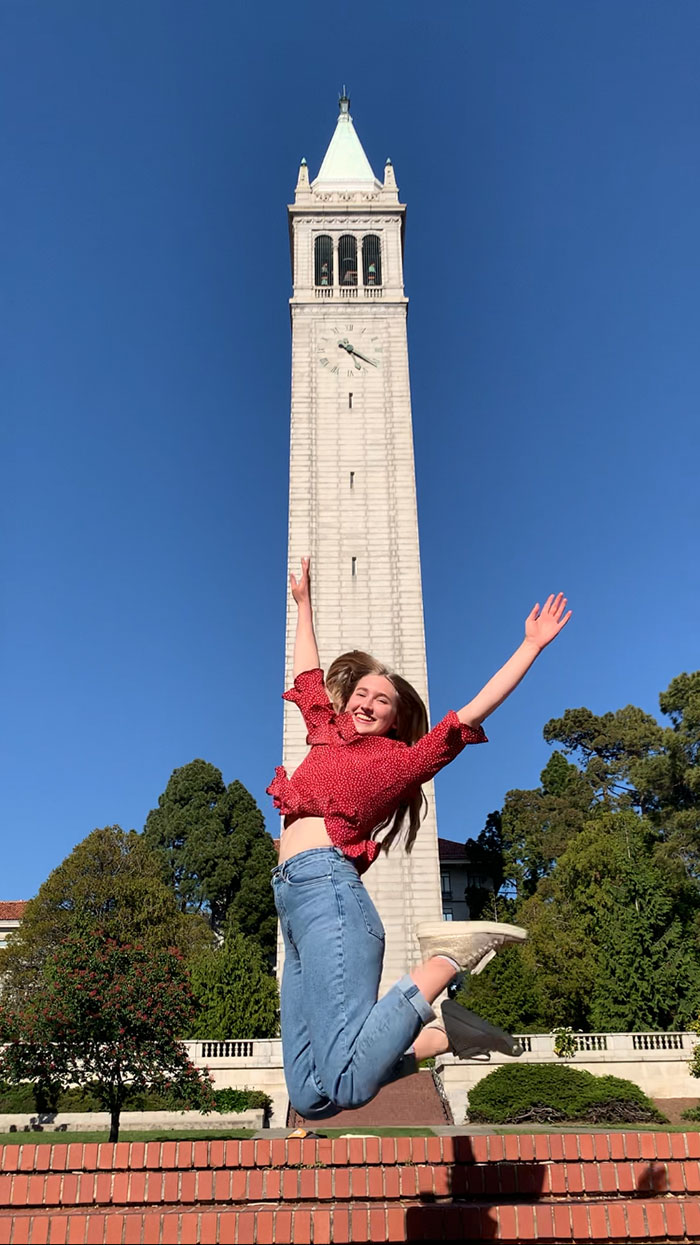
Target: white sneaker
472 944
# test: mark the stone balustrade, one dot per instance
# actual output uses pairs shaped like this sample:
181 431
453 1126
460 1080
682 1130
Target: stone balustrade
657 1062
245 1063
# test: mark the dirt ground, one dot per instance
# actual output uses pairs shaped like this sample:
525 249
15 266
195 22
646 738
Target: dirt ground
672 1108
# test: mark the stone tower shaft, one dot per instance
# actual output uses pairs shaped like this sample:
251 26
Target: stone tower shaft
352 490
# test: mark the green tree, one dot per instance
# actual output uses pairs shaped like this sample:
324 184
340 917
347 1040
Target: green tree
111 881
642 922
613 934
216 852
606 747
633 762
236 997
613 940
485 856
668 782
109 1015
507 993
536 825
602 863
251 910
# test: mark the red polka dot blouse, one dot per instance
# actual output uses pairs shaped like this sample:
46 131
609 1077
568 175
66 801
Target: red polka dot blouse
355 781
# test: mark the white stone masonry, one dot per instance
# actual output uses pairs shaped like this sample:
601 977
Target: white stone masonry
352 491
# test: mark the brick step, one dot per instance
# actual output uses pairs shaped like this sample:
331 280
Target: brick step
56 1156
625 1221
553 1187
202 1186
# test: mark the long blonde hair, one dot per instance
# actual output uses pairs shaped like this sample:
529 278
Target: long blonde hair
411 724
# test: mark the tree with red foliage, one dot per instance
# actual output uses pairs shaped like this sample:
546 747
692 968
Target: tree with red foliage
110 1015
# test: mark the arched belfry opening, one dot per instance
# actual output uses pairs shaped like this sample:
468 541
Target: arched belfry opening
323 260
371 260
347 259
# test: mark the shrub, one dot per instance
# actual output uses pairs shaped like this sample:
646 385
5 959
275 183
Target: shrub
21 1099
555 1093
28 1099
564 1042
233 1100
692 1114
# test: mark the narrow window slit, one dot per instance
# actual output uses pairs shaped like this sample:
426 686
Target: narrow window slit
352 479
354 567
350 401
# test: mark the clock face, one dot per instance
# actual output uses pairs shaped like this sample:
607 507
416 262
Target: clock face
346 349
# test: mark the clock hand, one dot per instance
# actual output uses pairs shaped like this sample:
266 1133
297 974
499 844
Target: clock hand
346 345
372 362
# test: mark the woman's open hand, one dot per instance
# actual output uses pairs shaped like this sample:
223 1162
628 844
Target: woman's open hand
301 588
543 625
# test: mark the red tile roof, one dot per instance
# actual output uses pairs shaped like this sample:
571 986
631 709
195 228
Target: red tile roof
12 910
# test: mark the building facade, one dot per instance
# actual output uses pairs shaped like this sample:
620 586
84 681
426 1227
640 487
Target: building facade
11 913
352 504
460 876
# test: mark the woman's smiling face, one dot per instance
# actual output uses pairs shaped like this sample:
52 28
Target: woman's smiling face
373 705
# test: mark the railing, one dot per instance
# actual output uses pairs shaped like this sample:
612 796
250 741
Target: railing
657 1041
616 1045
591 1041
243 1049
348 291
601 1047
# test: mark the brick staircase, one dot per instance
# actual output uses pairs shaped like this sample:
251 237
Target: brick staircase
413 1102
618 1187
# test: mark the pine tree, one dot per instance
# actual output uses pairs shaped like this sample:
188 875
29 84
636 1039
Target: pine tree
235 995
216 852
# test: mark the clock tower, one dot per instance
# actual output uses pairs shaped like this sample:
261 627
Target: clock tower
352 492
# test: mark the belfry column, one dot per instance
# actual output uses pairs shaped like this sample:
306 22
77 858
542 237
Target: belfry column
352 489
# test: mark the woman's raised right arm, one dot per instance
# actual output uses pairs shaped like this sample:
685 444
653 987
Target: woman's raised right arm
541 627
305 647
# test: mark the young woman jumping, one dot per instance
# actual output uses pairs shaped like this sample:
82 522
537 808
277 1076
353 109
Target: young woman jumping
349 799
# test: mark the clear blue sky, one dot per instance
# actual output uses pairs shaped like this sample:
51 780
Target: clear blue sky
149 151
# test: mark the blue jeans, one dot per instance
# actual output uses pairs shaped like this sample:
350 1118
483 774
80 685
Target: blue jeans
339 1044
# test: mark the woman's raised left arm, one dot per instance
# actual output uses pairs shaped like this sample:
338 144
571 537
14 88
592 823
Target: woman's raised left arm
541 627
305 647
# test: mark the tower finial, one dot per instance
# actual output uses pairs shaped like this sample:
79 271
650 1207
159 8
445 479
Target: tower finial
344 102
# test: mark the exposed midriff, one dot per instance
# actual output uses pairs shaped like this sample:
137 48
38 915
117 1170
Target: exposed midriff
301 833
351 783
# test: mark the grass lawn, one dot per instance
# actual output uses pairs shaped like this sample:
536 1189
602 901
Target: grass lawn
524 1129
60 1139
55 1138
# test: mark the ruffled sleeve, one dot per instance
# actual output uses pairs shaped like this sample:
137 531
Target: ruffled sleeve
309 693
423 759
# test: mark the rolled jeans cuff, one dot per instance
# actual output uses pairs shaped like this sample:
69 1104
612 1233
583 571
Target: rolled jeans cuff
416 998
